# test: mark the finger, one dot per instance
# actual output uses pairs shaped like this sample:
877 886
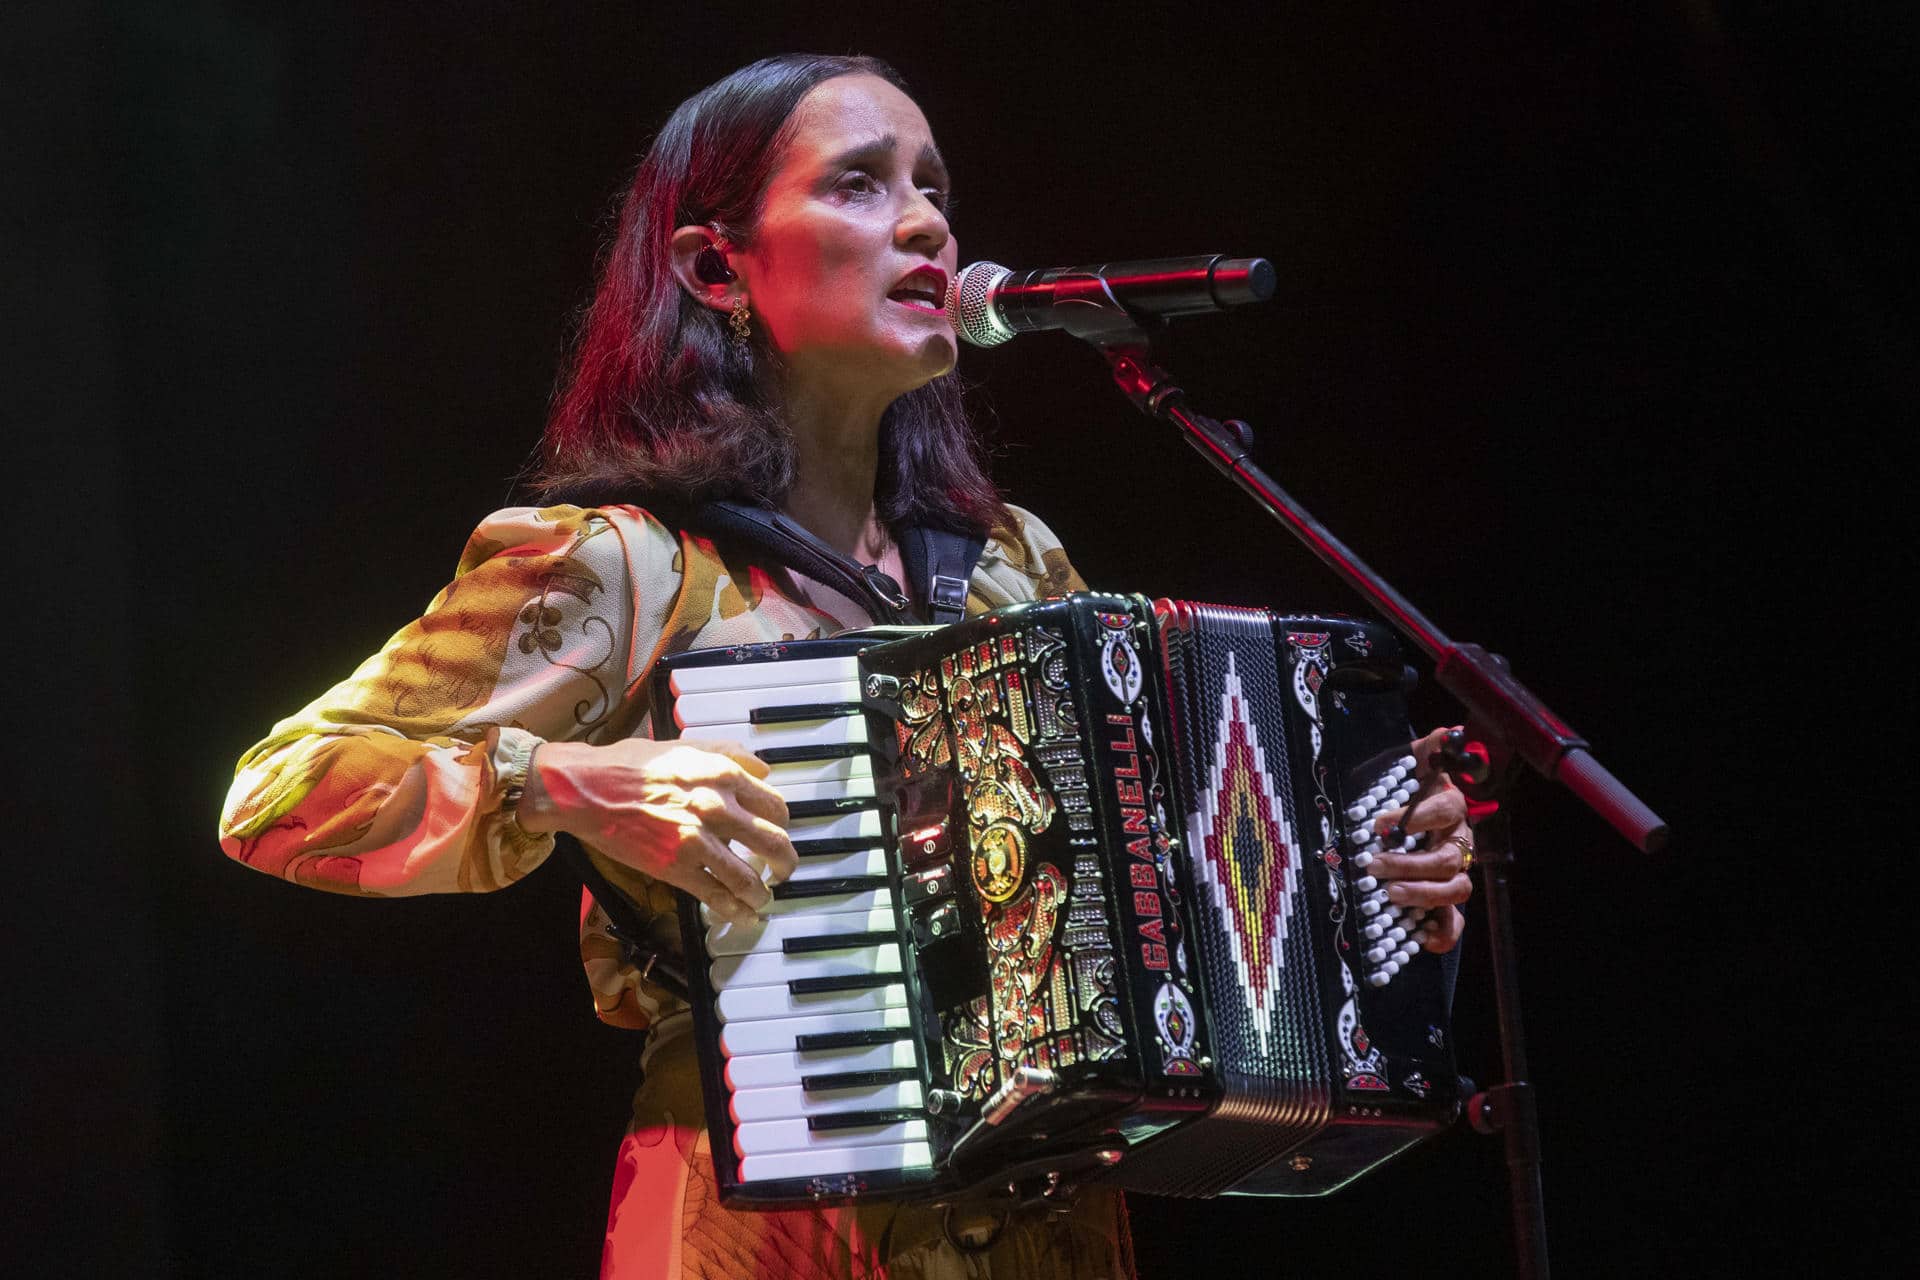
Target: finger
1439 810
733 751
1444 930
1430 893
693 878
1424 749
1435 864
760 799
747 782
771 843
732 871
729 819
720 902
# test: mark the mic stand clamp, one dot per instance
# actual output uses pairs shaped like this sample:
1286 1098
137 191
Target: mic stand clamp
1503 1106
1507 725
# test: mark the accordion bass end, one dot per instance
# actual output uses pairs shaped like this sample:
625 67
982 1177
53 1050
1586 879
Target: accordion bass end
1081 897
1331 1025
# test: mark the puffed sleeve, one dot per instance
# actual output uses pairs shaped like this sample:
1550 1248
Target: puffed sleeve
1026 564
401 778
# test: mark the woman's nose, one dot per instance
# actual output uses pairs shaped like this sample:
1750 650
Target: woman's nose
923 221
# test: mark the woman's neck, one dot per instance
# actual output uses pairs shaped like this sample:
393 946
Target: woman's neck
837 458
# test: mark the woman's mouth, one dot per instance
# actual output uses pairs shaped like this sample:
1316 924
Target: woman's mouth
924 291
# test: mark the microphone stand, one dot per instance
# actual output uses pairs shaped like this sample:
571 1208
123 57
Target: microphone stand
1508 726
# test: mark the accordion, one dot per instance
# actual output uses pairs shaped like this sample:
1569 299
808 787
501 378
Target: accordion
1081 896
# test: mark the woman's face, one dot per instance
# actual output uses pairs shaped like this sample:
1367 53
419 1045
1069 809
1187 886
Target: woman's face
847 271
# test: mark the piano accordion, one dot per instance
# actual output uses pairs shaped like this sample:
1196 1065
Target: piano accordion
1082 896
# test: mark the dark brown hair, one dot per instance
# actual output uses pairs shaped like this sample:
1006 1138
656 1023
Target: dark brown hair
660 404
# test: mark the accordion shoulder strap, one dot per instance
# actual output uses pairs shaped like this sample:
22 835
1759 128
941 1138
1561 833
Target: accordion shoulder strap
941 562
938 561
624 921
786 542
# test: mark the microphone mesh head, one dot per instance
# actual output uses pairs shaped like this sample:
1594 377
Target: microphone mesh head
970 305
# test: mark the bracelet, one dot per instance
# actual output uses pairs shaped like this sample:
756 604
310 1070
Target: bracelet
519 772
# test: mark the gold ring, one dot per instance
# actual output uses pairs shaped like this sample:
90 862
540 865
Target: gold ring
1465 842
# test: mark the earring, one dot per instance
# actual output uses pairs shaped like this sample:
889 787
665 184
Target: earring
709 267
738 319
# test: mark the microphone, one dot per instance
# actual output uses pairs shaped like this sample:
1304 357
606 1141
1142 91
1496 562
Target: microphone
989 304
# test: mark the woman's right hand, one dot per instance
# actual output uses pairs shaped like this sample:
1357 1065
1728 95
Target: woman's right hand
671 809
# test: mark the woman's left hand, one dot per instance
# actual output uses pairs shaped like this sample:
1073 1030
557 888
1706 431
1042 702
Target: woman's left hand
1436 877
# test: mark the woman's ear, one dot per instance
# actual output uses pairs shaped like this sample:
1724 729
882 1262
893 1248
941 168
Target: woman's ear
702 267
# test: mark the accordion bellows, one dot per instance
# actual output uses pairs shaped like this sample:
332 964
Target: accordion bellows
1078 900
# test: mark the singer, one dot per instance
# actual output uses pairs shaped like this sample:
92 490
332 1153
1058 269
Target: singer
767 329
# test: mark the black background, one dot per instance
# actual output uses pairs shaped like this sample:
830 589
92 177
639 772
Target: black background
1595 335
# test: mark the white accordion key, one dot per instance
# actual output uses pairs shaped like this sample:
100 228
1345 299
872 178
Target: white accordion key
832 903
835 790
832 1161
770 967
771 933
781 1035
784 1102
759 1137
800 733
840 769
743 1004
834 866
766 1070
697 710
823 905
763 675
863 825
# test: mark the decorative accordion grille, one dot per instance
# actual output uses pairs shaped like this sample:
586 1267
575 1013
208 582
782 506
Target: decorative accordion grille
1238 763
1243 842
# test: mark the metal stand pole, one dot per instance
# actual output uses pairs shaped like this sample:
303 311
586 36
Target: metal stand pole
1508 1109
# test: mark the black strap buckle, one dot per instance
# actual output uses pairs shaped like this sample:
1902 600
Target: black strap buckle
947 598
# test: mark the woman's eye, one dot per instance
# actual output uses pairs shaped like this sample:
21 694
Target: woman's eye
941 200
860 182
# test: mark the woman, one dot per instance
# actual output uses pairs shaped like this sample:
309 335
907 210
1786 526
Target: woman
767 329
